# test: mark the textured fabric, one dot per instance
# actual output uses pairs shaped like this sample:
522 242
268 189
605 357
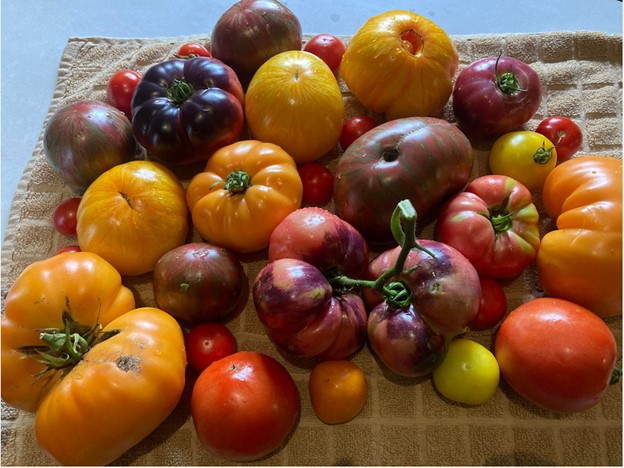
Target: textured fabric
405 422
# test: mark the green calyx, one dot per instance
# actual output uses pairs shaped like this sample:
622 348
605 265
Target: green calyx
236 182
501 219
543 155
507 82
179 91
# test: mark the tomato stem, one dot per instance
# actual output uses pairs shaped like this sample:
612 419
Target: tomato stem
508 81
236 182
179 91
543 155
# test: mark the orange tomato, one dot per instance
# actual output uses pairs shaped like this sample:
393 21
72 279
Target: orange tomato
338 391
131 215
294 101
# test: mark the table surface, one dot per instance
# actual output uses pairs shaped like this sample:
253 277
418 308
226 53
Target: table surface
34 34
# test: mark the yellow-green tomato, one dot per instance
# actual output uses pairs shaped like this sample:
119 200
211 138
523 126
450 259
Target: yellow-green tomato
525 156
468 374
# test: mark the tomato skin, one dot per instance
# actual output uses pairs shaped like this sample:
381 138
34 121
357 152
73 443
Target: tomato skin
64 216
327 47
483 109
355 127
565 134
208 342
525 156
244 406
318 183
120 89
68 248
493 305
193 49
556 354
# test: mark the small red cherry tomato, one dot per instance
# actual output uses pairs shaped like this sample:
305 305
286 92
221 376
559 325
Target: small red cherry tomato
208 342
68 248
353 128
563 133
193 49
493 305
64 216
328 48
318 183
120 89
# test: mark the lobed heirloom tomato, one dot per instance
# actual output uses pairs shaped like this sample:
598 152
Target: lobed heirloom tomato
100 374
400 63
185 109
582 259
493 223
246 189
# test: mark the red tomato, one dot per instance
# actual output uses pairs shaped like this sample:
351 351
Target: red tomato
64 216
318 183
563 133
120 90
68 248
193 49
243 406
328 48
492 307
353 128
208 342
557 354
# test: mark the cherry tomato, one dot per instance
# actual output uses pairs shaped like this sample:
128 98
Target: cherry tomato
120 89
468 374
64 216
318 183
68 248
564 133
328 48
193 49
208 342
493 305
338 391
353 128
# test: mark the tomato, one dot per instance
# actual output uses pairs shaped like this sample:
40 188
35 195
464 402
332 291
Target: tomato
494 223
243 193
338 391
208 342
318 183
327 47
64 216
401 64
355 127
565 134
556 354
525 156
132 214
120 89
305 116
193 49
581 260
68 248
468 374
244 406
495 95
493 305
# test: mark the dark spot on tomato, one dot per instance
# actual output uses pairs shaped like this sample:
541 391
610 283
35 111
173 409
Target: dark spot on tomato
129 363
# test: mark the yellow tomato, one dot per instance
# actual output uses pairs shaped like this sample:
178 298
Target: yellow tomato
294 101
131 215
338 391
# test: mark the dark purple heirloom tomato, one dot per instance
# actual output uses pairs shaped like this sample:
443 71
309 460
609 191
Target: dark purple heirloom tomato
185 109
422 159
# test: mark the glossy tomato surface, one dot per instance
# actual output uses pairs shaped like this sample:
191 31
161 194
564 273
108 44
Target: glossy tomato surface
564 133
493 305
355 127
193 49
556 354
327 47
244 406
208 342
318 183
64 216
120 90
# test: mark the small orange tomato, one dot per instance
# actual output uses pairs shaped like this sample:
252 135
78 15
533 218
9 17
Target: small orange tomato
338 391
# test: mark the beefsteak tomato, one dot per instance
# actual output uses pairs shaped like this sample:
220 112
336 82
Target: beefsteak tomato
494 223
401 64
581 260
246 189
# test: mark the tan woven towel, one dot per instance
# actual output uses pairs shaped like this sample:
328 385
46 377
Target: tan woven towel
404 422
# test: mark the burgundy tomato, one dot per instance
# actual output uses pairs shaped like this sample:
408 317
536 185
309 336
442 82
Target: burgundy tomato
244 406
318 183
492 307
68 248
556 354
208 342
120 89
192 49
328 48
355 127
563 133
495 95
64 216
